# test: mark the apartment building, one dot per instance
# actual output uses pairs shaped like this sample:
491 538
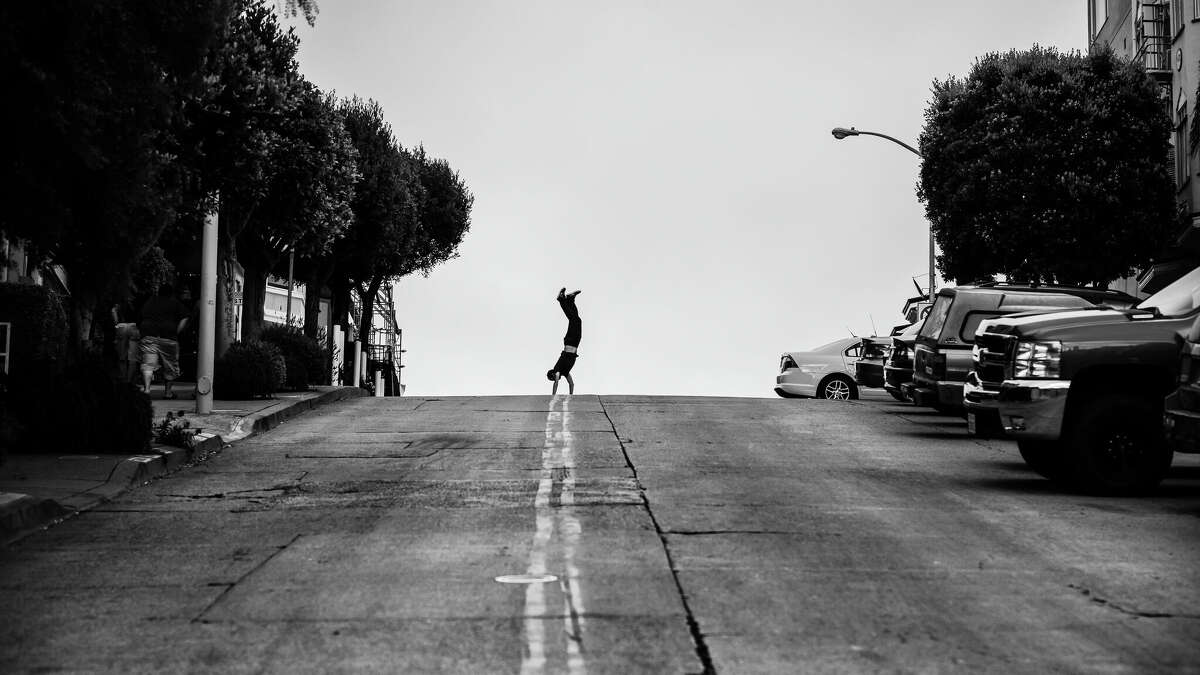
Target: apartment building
1164 35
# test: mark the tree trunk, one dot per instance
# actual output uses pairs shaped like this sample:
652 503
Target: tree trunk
254 298
229 299
367 298
313 283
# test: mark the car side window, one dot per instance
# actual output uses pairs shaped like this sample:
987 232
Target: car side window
971 322
854 351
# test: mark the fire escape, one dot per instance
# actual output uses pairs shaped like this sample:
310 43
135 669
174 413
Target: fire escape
1153 35
383 350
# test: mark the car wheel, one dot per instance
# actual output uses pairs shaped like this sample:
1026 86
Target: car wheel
1046 458
838 388
1117 446
898 396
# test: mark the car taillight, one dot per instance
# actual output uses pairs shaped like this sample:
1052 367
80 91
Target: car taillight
938 361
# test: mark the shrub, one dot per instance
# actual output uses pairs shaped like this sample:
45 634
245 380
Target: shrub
175 430
37 346
307 361
248 370
102 413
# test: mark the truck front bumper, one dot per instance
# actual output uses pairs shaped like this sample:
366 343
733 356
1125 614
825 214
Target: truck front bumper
1033 409
982 404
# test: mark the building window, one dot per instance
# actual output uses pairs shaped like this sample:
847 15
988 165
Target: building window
1195 10
1176 16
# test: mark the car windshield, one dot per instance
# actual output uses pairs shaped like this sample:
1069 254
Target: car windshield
937 316
1181 297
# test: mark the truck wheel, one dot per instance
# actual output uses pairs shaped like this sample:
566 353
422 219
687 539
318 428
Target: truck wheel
1117 446
1046 458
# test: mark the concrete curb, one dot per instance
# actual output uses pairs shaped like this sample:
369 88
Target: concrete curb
22 515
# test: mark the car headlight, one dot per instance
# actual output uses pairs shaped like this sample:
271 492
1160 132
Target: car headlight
1037 359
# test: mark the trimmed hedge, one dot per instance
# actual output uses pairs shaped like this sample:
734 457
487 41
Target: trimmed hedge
249 370
307 362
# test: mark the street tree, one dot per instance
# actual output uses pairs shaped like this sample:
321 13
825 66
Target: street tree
237 133
305 207
1047 167
445 215
294 8
90 177
386 207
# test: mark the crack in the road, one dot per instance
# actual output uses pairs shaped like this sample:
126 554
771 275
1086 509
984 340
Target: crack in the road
716 532
199 618
693 626
1105 602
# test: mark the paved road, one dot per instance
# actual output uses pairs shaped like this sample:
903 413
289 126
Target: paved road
665 535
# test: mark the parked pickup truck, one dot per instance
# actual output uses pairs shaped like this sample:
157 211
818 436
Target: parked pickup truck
944 344
1182 420
1082 391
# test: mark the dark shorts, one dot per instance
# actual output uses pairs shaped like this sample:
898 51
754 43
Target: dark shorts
566 361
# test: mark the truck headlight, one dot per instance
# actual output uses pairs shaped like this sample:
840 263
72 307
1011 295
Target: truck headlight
1037 359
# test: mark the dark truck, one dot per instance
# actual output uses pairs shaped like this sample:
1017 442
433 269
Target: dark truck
1082 391
1182 419
943 353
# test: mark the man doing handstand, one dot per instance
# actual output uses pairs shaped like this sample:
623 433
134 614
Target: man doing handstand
566 360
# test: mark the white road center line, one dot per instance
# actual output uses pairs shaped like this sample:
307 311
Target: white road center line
556 533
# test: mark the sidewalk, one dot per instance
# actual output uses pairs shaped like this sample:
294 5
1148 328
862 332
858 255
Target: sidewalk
36 489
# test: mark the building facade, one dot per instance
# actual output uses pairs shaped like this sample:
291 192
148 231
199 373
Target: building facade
1164 35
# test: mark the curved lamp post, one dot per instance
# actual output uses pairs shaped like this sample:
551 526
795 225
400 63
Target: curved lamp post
842 132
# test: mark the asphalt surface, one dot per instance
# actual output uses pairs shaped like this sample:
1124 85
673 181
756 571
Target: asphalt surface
611 534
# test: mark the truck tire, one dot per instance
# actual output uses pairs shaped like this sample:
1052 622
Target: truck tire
1116 445
1048 459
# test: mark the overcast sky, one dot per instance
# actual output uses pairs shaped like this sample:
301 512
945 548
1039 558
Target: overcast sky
671 159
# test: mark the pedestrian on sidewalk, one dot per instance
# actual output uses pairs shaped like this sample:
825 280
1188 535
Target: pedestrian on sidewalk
570 351
163 317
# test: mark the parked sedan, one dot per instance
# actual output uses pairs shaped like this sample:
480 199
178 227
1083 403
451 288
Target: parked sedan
824 372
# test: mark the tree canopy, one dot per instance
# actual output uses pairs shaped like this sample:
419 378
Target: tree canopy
1047 167
90 174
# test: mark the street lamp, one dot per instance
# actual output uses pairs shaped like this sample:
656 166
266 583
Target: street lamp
842 132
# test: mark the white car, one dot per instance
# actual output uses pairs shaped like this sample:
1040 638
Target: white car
824 372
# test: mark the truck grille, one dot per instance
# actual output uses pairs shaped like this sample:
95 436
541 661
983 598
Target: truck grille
992 357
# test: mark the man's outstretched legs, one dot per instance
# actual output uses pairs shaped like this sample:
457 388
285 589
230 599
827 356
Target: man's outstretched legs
574 324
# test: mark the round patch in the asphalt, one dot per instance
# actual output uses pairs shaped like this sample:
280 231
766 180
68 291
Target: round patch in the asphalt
526 578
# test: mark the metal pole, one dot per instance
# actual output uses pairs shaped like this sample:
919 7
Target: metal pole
932 286
208 317
840 133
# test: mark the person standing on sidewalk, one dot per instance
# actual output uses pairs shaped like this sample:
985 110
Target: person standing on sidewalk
570 351
163 317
